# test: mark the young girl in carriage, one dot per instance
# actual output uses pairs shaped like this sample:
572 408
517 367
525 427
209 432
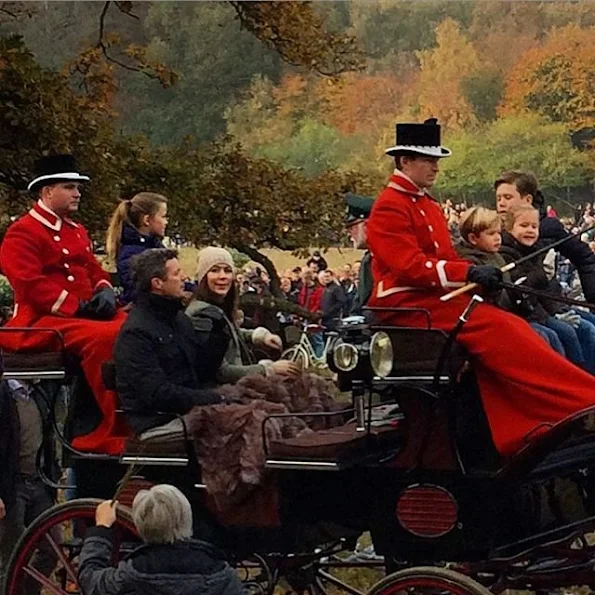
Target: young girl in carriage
136 225
576 333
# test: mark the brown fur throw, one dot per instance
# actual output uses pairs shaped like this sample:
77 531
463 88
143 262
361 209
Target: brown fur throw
229 437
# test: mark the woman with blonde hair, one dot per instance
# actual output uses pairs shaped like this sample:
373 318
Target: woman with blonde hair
136 225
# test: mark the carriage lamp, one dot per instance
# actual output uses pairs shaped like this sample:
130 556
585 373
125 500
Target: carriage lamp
345 357
381 354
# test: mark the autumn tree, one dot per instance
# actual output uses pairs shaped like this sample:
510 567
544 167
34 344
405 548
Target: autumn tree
442 71
300 36
357 102
484 90
521 142
557 79
41 114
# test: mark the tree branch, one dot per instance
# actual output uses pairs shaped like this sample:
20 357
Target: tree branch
125 9
267 263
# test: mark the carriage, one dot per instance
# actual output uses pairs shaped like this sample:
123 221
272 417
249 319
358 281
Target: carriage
413 466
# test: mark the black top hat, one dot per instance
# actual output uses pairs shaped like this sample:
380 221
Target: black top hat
419 138
53 169
358 208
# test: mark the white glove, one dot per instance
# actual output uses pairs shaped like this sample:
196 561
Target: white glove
570 317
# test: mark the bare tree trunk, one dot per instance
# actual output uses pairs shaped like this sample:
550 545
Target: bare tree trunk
278 301
267 263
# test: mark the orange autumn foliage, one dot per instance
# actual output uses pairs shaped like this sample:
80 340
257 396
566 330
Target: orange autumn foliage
557 79
357 103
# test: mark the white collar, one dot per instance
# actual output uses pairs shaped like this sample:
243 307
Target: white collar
398 172
55 225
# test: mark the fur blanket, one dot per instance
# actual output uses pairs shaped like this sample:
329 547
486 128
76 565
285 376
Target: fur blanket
229 437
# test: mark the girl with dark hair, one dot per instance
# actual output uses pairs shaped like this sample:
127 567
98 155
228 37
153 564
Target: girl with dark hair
215 308
136 225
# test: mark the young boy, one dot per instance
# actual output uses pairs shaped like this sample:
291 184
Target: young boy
481 239
481 236
577 335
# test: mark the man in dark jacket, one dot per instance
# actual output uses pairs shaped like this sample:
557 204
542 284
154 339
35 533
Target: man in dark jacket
516 187
333 300
163 369
169 563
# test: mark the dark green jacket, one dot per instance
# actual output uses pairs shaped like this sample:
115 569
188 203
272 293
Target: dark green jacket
365 284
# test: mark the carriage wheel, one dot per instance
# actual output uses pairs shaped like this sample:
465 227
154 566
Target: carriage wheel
428 580
256 575
298 355
46 556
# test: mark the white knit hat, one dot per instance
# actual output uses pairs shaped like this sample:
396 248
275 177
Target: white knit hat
210 256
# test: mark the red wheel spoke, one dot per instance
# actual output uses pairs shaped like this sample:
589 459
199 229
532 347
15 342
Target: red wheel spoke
44 580
58 550
43 535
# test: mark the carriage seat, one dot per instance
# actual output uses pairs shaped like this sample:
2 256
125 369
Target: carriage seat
51 365
340 446
417 353
136 447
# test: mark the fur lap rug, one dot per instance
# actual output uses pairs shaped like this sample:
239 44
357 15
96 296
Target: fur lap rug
229 437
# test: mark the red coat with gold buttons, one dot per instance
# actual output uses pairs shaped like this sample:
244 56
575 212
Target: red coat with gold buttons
50 264
411 247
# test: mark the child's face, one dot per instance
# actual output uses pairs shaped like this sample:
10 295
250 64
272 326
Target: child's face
488 240
526 228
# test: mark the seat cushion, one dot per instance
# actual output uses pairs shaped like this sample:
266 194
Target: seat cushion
334 444
33 362
149 448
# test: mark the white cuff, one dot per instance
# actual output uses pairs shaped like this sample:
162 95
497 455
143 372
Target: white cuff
259 334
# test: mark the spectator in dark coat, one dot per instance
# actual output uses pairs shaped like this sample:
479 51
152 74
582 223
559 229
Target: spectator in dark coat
136 225
162 363
515 188
169 563
318 260
333 301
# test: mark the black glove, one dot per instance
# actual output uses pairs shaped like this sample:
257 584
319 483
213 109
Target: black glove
487 276
102 306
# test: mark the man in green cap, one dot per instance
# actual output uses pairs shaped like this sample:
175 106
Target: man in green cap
358 211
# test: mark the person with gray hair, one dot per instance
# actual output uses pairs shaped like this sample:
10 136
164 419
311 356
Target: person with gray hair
169 562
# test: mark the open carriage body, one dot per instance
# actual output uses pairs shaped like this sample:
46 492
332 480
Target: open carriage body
444 510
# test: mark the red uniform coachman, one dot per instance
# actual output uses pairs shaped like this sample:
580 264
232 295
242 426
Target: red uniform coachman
524 384
58 284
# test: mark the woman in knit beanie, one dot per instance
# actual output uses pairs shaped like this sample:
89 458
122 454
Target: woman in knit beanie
217 291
